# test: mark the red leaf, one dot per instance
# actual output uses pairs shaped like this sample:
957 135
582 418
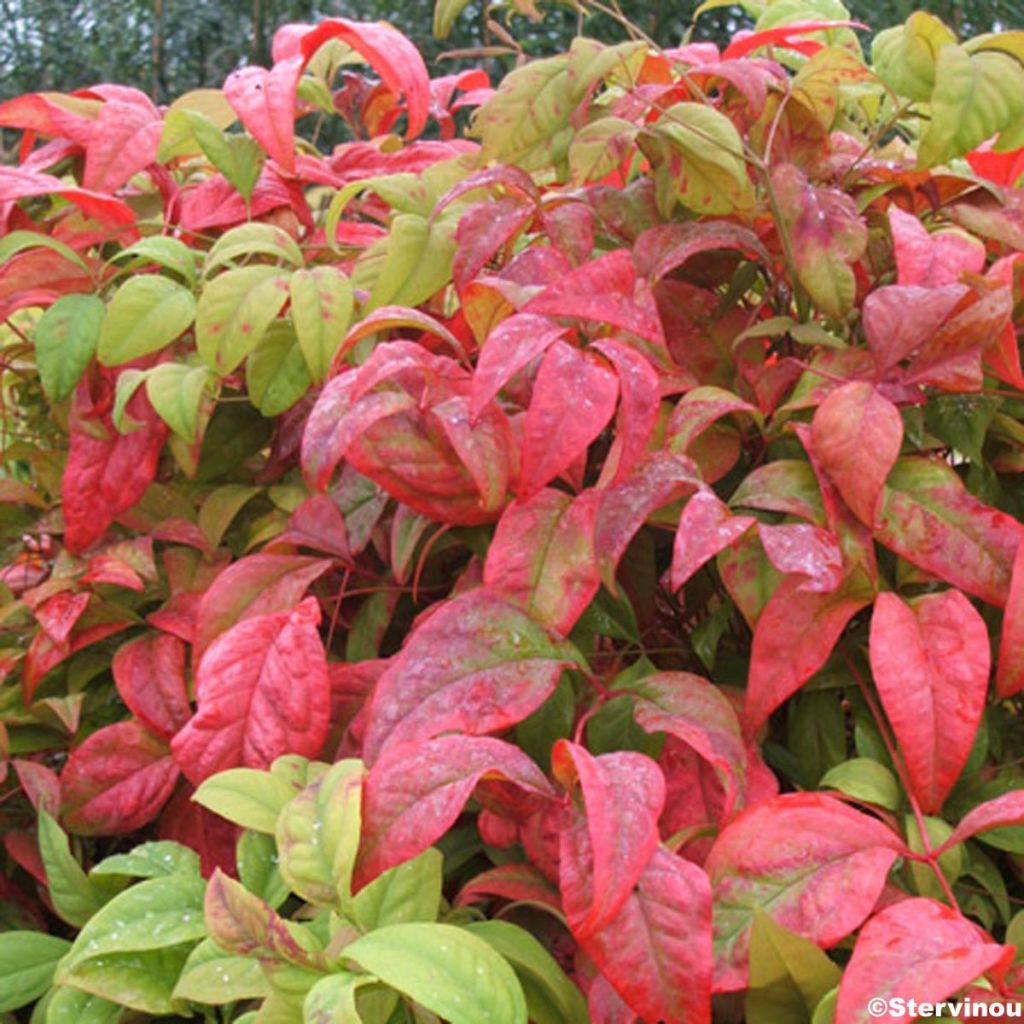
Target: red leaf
510 347
484 230
1003 355
795 635
476 665
389 53
662 249
929 518
105 476
318 524
124 141
899 319
603 856
191 824
1002 812
45 114
117 780
698 713
255 585
557 432
932 260
815 864
804 550
605 290
930 660
40 784
216 203
17 183
265 103
59 613
917 949
38 277
656 953
1010 668
542 557
638 410
150 675
262 690
698 410
745 42
706 527
857 434
415 791
517 882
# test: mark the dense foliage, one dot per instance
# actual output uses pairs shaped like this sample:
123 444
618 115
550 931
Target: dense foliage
568 572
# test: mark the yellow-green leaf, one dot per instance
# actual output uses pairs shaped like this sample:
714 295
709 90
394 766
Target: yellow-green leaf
321 312
276 374
146 313
252 240
176 392
906 57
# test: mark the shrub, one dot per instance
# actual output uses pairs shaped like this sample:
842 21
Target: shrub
547 571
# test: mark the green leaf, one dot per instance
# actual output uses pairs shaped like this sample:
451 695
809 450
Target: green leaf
410 892
128 382
27 963
699 159
212 976
257 860
140 981
599 147
974 98
238 157
74 896
176 393
220 508
332 1000
318 835
234 310
72 1006
445 13
170 253
151 860
255 239
951 862
866 780
146 313
445 969
18 241
178 139
905 57
276 374
246 796
410 264
154 914
321 312
789 974
65 340
551 997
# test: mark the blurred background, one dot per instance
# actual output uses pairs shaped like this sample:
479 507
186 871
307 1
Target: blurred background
166 47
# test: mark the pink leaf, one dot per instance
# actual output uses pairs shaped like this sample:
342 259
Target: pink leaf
917 949
117 780
656 952
265 103
932 260
815 864
605 290
805 550
542 557
389 53
262 690
899 319
558 432
857 434
930 660
124 141
706 527
696 712
795 635
16 183
415 791
698 410
476 665
658 480
150 676
1002 812
1010 669
510 347
603 857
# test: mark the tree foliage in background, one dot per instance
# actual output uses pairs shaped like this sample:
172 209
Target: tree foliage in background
166 47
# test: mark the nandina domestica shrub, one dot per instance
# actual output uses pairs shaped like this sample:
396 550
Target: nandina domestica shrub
560 562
